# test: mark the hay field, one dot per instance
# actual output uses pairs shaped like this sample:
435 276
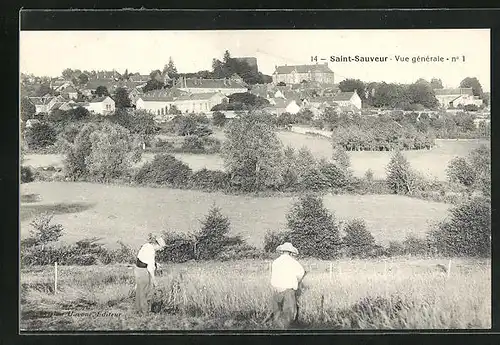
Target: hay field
128 214
431 163
399 294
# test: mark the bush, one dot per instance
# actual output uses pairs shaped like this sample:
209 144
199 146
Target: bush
358 241
113 152
210 180
193 144
40 135
219 119
395 248
313 228
213 237
26 174
179 248
240 251
416 246
400 177
459 170
273 239
165 169
43 232
467 232
335 176
471 107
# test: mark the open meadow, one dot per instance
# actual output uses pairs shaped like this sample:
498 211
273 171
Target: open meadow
401 293
421 160
128 213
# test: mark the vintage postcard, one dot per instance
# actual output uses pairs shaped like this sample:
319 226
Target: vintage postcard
255 180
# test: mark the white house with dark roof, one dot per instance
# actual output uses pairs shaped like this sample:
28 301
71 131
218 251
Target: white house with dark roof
295 74
348 99
159 102
226 86
452 98
104 105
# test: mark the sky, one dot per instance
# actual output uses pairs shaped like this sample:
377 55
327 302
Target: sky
48 53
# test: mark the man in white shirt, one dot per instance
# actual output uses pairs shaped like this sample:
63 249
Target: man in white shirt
144 273
286 275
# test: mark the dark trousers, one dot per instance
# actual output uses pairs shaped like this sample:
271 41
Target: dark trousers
285 308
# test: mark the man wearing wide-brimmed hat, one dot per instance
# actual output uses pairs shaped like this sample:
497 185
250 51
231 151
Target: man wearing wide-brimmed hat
144 273
286 275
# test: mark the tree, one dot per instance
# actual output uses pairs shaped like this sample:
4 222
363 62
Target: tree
164 169
156 75
67 74
341 158
421 92
350 85
312 228
436 83
153 84
121 98
213 235
219 119
473 83
170 69
358 240
252 153
102 91
400 177
83 79
468 230
40 135
28 109
43 89
138 122
113 152
459 170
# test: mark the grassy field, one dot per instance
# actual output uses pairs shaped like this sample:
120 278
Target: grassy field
403 293
432 163
128 214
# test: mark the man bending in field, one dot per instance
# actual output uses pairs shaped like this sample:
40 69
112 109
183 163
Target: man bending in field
286 275
144 273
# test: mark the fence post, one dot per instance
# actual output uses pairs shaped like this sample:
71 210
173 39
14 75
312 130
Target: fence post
55 278
449 268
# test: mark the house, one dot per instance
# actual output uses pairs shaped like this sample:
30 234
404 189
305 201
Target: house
452 98
39 103
280 105
160 102
104 105
90 88
71 92
295 74
346 99
226 86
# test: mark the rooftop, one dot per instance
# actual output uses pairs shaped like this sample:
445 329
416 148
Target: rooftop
287 69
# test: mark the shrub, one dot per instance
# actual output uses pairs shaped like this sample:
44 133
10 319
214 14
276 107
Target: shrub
26 174
213 235
400 177
467 232
113 152
179 248
369 175
459 170
313 228
193 144
341 157
210 179
358 240
471 107
240 251
165 169
335 176
395 248
273 239
315 180
39 135
219 119
43 232
416 246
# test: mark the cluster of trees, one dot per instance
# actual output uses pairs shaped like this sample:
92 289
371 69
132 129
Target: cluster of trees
416 96
242 102
229 66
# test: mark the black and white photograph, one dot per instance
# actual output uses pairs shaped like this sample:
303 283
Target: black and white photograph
278 179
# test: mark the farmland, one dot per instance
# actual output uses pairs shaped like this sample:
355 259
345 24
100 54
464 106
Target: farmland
397 294
130 213
422 160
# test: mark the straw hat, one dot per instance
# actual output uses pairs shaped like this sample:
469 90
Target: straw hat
287 247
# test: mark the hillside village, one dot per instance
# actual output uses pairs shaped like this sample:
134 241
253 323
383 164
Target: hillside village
291 89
